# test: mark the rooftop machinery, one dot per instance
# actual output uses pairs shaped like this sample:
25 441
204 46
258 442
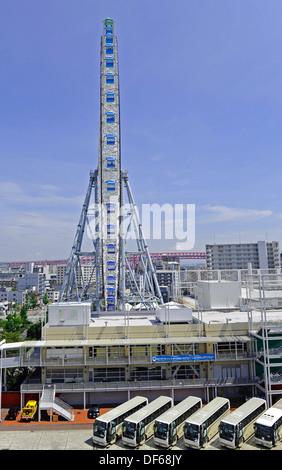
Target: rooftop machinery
117 282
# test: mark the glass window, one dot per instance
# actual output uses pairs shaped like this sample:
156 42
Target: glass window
111 207
109 30
110 77
110 97
109 38
110 117
110 61
111 185
111 139
109 49
111 162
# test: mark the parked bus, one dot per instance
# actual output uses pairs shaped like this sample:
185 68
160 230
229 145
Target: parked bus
239 425
107 428
140 426
203 425
268 427
168 427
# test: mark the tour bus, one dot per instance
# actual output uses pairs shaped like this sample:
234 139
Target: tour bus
268 427
168 427
239 425
203 425
140 426
107 428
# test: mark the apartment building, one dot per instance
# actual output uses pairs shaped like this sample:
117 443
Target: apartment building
9 295
261 255
82 274
34 281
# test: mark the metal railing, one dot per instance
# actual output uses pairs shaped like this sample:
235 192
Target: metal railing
144 385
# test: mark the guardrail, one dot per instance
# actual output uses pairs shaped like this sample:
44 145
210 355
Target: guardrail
39 361
143 385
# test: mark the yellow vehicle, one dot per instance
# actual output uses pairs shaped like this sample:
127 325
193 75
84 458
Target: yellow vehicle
29 410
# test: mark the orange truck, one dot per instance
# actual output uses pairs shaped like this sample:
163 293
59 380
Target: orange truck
28 412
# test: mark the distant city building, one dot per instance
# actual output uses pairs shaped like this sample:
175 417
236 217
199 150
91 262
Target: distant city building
171 280
9 295
262 255
32 281
81 274
52 294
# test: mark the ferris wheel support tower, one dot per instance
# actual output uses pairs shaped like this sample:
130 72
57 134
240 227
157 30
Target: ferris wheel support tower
117 281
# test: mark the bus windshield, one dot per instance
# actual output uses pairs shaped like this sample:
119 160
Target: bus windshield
262 431
99 428
161 430
226 431
129 429
191 431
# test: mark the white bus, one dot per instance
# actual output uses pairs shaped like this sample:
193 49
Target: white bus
140 426
239 425
203 425
268 427
107 428
168 427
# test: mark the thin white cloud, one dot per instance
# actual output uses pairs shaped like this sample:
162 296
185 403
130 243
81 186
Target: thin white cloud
225 214
35 193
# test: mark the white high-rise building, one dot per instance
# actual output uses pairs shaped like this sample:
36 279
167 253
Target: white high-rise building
262 255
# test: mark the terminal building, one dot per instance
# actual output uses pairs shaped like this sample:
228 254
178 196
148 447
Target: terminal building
206 350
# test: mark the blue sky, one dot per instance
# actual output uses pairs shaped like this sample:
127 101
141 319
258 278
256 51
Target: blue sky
200 115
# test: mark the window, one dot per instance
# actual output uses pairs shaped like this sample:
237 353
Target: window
111 162
110 97
110 117
109 37
110 62
111 229
111 265
110 77
111 248
111 185
109 29
109 49
111 139
111 208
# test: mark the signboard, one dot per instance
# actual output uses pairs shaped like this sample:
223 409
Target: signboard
184 357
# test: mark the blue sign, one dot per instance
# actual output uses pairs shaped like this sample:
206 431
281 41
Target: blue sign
184 357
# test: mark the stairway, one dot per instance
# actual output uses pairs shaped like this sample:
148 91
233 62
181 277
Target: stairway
49 401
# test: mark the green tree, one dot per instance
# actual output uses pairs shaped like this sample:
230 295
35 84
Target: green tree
24 315
33 300
34 332
13 322
45 299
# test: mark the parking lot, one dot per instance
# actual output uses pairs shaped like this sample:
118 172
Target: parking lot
81 439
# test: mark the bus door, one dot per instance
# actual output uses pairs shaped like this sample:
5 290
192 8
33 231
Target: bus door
275 433
240 434
203 433
173 434
111 438
141 433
